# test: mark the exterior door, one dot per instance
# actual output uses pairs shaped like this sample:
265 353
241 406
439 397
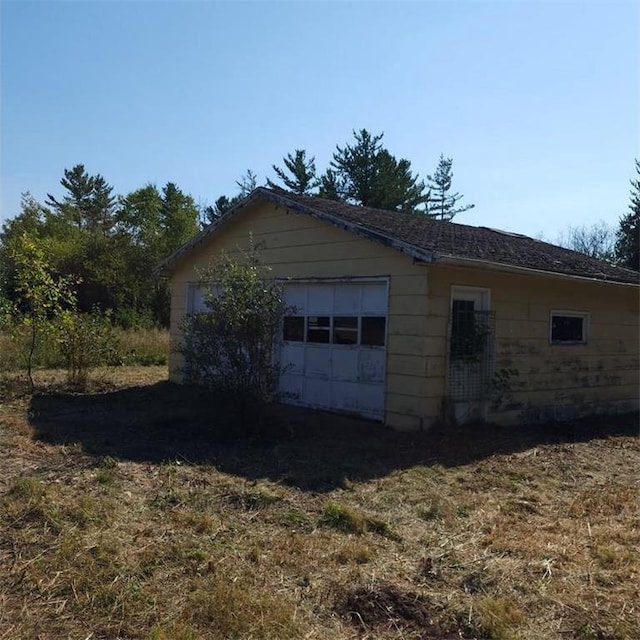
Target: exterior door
333 350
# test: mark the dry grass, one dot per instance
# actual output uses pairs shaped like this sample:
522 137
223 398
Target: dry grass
129 512
144 347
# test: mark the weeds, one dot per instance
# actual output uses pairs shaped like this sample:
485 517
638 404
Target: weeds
293 518
236 608
253 500
144 347
353 552
499 617
433 510
350 520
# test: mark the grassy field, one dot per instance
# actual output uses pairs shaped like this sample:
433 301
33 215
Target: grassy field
132 347
130 512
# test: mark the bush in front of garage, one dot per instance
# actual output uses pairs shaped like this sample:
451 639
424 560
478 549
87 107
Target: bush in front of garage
229 348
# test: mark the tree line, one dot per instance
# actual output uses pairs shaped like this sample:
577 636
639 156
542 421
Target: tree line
107 245
362 172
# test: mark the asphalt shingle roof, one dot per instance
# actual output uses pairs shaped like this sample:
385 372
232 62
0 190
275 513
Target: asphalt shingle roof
433 238
450 239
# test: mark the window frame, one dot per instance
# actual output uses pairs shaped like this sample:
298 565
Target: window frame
304 328
356 330
585 316
198 289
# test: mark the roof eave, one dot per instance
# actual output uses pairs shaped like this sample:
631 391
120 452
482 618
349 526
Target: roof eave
415 252
164 267
419 254
499 266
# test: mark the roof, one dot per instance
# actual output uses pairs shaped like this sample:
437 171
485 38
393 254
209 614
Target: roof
429 240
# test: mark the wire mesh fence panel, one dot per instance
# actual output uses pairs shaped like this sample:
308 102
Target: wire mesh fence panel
471 352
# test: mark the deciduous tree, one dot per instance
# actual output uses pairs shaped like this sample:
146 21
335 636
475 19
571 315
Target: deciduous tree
42 295
596 240
111 248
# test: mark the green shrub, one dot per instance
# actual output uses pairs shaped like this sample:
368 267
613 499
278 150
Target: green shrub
230 347
42 296
145 347
87 341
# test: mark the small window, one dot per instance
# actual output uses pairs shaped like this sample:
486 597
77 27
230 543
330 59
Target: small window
373 331
319 329
568 328
345 330
293 329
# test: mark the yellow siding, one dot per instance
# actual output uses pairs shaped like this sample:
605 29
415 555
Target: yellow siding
551 379
298 246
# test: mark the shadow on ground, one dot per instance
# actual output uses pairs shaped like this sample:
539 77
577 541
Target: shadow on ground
307 449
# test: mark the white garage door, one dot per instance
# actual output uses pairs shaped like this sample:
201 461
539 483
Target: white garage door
334 346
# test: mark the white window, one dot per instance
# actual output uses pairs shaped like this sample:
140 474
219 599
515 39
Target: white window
197 293
569 327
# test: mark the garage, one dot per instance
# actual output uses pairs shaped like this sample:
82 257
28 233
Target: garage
333 350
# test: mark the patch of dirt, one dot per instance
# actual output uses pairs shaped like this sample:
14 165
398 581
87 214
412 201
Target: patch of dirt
389 607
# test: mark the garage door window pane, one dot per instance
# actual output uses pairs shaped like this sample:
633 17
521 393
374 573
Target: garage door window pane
293 330
373 331
345 330
319 329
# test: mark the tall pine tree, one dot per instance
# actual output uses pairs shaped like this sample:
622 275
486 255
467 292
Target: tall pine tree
627 249
246 184
88 203
178 218
366 173
302 179
330 186
442 204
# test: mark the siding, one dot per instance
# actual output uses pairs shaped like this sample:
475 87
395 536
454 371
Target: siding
553 381
298 246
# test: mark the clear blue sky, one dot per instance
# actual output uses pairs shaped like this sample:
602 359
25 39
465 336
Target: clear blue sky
537 103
